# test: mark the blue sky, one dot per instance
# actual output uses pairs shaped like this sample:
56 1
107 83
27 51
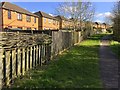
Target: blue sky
103 9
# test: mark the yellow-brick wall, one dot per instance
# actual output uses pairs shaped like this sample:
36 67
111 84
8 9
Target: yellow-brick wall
95 25
16 23
103 26
65 24
0 18
53 24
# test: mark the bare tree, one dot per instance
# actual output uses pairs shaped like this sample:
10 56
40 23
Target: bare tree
108 20
77 11
116 20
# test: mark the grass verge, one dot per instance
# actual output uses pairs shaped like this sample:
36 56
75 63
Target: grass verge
75 68
115 46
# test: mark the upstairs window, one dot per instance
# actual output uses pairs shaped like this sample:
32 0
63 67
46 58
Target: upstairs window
19 28
34 19
49 20
57 23
44 20
9 14
9 26
54 22
28 18
29 28
19 16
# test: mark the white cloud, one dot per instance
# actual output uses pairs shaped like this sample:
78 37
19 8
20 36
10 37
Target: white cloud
99 15
106 14
51 14
100 21
25 8
33 11
69 17
102 17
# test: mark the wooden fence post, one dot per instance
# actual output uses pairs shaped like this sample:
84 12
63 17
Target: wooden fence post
10 66
40 55
37 55
27 66
23 61
35 52
16 64
32 57
4 67
19 62
1 65
49 52
13 62
29 57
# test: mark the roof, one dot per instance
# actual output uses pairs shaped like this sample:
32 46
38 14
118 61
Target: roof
104 23
13 7
61 17
97 23
43 14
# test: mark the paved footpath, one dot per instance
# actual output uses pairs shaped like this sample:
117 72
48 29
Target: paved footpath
108 65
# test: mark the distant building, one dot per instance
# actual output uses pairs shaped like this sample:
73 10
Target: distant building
46 21
64 22
95 25
103 26
15 17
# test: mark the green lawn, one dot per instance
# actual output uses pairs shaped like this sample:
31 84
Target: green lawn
76 68
115 46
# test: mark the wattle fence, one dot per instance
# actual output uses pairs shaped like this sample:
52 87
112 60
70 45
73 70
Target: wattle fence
24 50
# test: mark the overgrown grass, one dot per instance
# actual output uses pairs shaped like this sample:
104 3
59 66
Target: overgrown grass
76 68
115 46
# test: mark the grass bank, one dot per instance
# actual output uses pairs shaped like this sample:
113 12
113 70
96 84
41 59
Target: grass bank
75 68
115 46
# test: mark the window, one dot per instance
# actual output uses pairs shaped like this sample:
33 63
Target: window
34 19
54 22
28 18
45 20
9 26
19 16
19 28
29 28
9 14
49 21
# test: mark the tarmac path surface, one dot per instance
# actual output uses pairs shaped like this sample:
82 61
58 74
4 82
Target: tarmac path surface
108 65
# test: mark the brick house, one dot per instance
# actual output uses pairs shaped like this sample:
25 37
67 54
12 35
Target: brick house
46 21
103 26
64 22
96 25
15 17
